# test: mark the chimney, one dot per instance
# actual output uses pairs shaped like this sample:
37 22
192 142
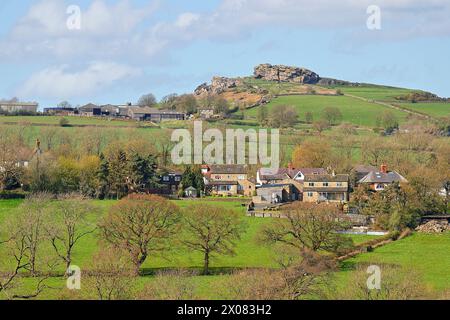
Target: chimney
290 166
384 168
205 169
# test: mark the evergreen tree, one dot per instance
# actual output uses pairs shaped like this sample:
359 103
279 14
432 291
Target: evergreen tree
118 174
142 173
193 177
103 178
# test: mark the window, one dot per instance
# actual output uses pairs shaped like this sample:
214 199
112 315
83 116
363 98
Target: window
310 194
311 184
166 178
325 184
339 184
241 177
218 177
224 188
177 179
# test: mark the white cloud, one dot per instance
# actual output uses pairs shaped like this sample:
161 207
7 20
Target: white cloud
62 83
186 19
107 30
121 29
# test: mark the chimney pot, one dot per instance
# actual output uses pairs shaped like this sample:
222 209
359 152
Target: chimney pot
290 166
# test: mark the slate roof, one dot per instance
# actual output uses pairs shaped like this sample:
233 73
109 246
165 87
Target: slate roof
221 183
325 189
326 178
88 107
270 186
228 168
380 177
361 168
283 173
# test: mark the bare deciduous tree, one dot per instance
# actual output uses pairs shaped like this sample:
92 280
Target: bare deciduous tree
141 225
211 230
396 283
23 235
112 276
27 228
172 285
309 226
67 224
10 171
296 279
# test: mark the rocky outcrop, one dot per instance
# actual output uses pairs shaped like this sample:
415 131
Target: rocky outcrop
281 73
218 86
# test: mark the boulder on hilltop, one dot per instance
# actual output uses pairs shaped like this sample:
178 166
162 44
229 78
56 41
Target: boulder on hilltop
282 73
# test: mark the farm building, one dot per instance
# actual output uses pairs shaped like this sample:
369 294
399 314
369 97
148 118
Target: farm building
12 106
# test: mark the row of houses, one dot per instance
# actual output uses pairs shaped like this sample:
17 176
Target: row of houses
128 111
293 184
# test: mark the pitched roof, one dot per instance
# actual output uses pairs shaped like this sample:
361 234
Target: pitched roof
283 173
88 107
221 183
326 178
228 168
149 110
380 177
325 189
362 168
141 110
270 186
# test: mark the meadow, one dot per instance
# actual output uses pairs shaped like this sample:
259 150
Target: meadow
374 92
355 111
426 254
75 121
437 109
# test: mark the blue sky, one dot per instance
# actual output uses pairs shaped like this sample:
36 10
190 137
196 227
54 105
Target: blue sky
126 48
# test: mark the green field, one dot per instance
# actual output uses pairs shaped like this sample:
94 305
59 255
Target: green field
379 93
54 120
426 254
433 109
353 110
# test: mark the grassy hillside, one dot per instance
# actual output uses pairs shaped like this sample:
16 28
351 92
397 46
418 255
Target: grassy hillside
435 109
355 111
373 92
425 253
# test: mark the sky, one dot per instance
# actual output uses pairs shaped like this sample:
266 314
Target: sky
113 51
